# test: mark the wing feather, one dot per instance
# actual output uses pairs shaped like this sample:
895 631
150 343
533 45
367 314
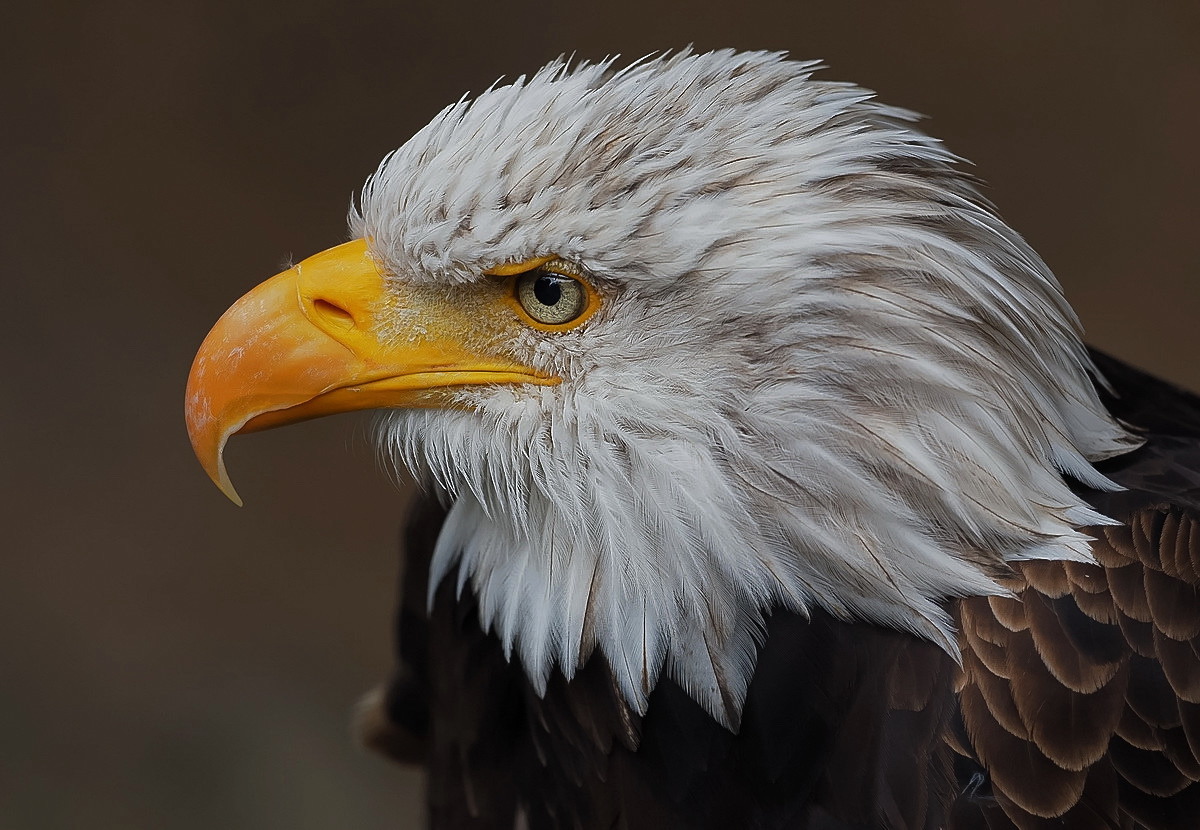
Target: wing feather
1080 692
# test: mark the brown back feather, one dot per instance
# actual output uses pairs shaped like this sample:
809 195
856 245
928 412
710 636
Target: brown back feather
1080 697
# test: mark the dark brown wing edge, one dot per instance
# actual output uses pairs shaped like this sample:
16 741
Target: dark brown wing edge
471 745
1081 696
393 719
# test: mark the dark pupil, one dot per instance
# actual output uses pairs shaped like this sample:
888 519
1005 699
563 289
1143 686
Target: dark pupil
548 290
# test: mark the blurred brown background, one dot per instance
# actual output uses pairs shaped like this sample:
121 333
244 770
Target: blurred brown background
170 661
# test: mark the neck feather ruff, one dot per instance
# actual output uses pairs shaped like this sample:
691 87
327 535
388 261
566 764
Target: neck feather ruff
825 374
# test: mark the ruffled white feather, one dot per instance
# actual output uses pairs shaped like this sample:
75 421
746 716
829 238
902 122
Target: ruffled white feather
825 373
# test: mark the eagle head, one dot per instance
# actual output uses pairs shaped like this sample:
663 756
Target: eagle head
681 343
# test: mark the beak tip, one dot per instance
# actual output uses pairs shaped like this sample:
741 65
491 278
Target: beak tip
220 477
226 487
208 442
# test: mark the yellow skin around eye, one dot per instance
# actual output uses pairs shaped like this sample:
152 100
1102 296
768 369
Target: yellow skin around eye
513 273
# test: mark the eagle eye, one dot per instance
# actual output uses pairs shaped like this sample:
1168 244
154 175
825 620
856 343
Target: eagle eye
551 298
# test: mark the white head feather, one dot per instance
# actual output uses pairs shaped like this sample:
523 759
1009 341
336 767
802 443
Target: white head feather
825 373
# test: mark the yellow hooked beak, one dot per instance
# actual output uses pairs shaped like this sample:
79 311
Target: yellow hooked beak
321 338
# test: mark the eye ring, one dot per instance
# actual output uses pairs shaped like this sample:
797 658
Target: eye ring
548 293
550 298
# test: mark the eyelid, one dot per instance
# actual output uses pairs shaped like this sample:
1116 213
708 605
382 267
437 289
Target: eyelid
550 262
563 268
509 269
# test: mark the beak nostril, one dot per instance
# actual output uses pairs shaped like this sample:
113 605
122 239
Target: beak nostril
333 312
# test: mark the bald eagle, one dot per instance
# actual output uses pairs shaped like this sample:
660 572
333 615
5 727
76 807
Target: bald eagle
769 481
